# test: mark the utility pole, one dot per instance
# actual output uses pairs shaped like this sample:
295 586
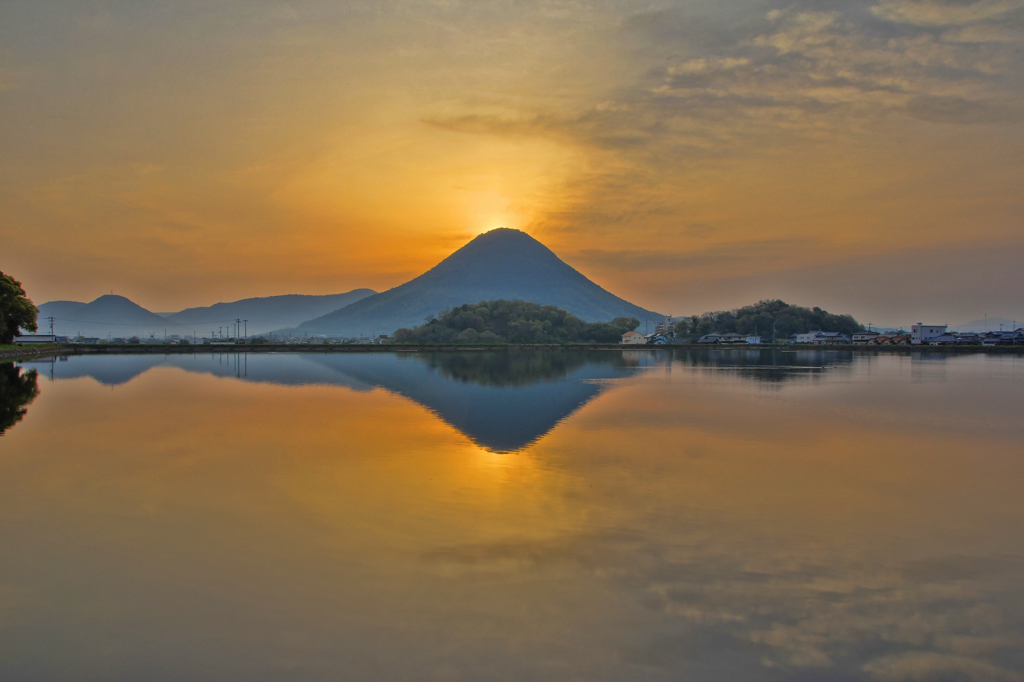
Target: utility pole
246 334
50 318
238 326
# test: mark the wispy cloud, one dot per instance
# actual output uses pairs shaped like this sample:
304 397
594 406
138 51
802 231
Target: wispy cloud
944 13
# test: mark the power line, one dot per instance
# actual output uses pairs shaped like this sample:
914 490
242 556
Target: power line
136 324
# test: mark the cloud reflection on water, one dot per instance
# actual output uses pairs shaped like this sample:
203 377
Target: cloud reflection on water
861 523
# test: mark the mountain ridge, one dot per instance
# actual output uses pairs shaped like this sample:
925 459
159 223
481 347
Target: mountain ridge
266 313
109 314
500 264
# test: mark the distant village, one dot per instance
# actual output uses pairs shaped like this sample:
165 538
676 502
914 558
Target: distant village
919 334
663 334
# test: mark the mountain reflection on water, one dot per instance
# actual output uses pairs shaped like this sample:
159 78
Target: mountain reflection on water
502 400
695 515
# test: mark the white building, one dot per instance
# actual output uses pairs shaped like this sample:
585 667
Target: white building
809 337
666 326
634 338
34 338
922 333
754 340
865 337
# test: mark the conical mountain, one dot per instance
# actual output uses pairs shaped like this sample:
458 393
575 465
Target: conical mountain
111 308
502 263
109 314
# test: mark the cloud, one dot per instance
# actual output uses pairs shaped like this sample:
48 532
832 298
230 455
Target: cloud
961 111
707 65
943 13
926 666
985 33
767 252
788 608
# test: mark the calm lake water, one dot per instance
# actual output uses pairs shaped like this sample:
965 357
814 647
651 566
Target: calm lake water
730 515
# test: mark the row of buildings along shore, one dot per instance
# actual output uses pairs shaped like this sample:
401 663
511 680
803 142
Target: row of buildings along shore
664 334
919 335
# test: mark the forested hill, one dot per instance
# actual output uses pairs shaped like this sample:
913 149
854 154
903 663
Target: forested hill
760 318
514 322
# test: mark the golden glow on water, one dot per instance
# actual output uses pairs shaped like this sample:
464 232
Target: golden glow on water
847 522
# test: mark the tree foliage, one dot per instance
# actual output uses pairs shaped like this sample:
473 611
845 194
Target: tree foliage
17 389
501 321
760 318
16 311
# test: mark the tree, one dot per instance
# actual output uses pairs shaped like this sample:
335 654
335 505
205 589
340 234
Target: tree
17 390
501 321
16 311
774 316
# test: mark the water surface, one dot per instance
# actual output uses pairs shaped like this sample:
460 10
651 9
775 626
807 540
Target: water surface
637 515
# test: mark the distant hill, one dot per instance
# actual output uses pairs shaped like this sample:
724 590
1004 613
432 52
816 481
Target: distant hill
268 313
500 264
59 309
514 322
987 324
107 315
767 317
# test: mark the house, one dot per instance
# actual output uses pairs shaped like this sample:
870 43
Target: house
831 339
656 339
806 337
968 339
34 338
922 333
634 338
732 337
1002 339
946 339
865 337
891 340
709 338
754 340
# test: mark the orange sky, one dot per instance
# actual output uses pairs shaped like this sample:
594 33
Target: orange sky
862 156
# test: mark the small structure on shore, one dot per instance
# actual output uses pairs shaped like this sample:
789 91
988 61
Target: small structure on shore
633 338
25 339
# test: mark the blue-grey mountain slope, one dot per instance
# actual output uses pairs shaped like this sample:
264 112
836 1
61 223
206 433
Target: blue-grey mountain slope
502 263
270 312
504 415
107 315
62 309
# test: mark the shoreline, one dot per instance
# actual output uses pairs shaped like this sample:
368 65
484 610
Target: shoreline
30 352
